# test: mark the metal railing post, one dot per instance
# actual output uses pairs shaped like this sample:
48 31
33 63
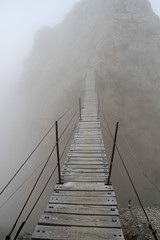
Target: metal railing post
134 220
113 150
80 114
58 158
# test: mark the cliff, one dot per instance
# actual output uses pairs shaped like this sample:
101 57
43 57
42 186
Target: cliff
120 41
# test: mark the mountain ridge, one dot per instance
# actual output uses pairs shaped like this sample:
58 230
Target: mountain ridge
119 40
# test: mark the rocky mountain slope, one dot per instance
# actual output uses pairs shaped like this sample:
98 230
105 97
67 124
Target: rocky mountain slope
120 41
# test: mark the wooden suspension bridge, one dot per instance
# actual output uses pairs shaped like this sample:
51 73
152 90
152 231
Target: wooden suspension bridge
84 205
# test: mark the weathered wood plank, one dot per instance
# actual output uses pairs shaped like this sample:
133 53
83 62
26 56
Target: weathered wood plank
87 145
76 233
82 209
83 186
87 158
101 201
86 166
84 193
79 220
81 147
84 174
84 170
87 140
83 179
83 154
72 162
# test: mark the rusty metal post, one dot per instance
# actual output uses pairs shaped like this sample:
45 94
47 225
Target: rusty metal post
58 158
113 150
80 114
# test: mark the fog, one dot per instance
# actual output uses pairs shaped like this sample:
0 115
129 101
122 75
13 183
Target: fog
19 22
22 122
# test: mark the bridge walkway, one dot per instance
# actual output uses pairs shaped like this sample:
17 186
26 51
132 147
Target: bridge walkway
83 207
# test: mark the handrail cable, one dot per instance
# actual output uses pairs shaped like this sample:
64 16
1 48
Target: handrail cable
22 184
67 125
27 159
140 202
66 112
23 223
68 141
140 169
110 132
34 150
32 190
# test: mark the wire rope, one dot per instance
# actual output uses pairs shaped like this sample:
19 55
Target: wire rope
131 181
32 190
23 223
67 125
37 146
68 141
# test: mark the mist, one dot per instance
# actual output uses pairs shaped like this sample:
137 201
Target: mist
44 59
19 131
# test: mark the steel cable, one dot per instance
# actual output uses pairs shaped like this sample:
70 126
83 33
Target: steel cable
130 179
23 223
35 149
22 185
32 190
135 161
66 112
67 125
68 141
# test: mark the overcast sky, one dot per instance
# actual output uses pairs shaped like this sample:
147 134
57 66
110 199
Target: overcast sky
19 20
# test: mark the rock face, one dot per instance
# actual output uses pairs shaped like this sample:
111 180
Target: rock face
129 228
120 41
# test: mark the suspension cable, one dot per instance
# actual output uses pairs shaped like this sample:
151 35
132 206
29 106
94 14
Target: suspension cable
27 159
135 160
67 125
23 223
35 149
66 112
127 172
32 190
22 184
110 132
68 141
140 169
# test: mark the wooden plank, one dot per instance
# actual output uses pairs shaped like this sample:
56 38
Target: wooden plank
83 179
84 174
84 193
82 209
84 170
101 201
91 136
85 166
72 162
79 220
87 140
76 233
87 145
83 186
86 155
86 159
87 149
87 130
